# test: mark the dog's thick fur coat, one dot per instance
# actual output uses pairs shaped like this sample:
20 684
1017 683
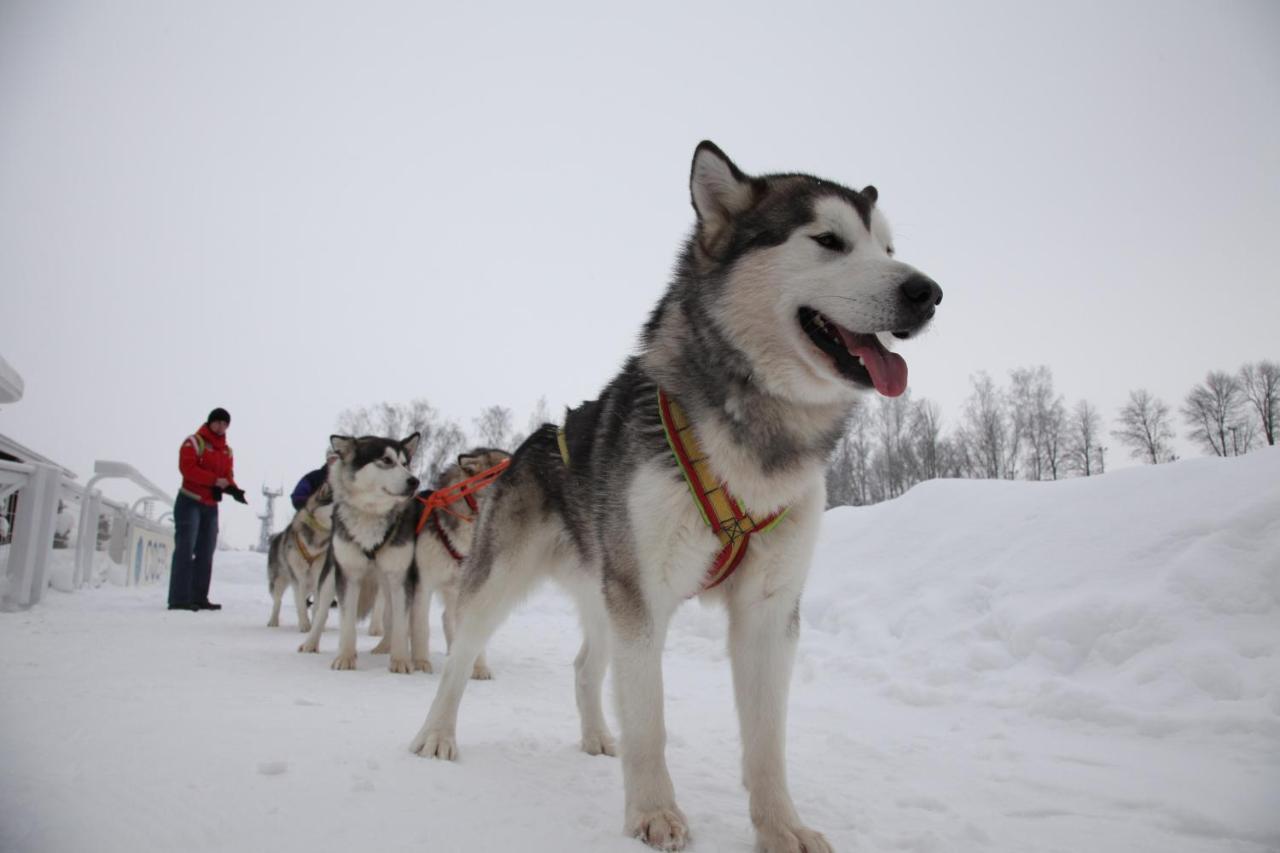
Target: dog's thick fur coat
780 314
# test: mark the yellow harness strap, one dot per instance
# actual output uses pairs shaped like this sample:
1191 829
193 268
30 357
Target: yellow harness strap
720 510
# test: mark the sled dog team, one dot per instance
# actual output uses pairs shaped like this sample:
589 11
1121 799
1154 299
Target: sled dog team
698 472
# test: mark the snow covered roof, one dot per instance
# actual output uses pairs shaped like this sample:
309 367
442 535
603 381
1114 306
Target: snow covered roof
23 453
11 385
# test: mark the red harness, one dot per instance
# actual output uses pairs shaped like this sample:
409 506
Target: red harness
443 499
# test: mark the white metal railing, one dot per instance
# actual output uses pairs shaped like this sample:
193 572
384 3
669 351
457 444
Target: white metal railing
138 543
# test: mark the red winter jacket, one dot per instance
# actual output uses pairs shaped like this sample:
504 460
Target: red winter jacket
204 458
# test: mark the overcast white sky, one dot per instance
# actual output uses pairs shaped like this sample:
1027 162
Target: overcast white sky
288 209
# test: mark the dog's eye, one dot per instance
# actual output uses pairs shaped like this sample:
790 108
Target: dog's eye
384 462
827 240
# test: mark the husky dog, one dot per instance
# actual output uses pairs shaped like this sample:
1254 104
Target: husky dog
371 547
296 555
443 543
783 309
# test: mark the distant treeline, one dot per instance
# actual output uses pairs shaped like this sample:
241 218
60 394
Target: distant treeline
1024 430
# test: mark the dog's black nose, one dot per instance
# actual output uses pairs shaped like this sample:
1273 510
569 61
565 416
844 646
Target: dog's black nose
413 484
921 291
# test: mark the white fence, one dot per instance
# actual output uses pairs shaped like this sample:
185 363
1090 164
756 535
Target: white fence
141 545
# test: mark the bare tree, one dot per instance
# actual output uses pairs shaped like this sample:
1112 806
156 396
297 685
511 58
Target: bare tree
493 426
1144 427
1084 430
440 441
447 441
986 429
926 438
1215 412
1038 416
849 471
1261 385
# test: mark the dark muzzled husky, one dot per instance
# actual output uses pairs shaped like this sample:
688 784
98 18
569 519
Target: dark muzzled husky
371 547
784 308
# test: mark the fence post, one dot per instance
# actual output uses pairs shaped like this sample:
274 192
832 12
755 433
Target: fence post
87 534
32 538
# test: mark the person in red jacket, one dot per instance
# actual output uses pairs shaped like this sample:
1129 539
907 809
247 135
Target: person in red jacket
205 461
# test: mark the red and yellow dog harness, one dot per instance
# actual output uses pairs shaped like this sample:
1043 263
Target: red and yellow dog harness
718 507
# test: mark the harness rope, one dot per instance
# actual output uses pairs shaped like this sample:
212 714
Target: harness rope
442 499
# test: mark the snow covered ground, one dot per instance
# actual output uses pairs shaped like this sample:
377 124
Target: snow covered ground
1089 665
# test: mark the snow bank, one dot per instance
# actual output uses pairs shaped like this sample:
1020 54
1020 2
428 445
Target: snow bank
1085 665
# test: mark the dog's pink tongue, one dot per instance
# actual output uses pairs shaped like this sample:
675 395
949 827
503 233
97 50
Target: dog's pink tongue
888 369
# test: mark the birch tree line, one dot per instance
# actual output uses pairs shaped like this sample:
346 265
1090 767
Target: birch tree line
1026 430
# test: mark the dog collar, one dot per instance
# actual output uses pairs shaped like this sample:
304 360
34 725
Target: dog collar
306 555
719 509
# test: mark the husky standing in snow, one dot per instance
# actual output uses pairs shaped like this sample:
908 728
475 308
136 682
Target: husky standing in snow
296 554
371 547
444 540
705 454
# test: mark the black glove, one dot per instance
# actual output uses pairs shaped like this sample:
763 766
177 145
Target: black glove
237 493
217 494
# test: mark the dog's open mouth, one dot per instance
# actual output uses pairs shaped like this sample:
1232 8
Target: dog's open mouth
859 357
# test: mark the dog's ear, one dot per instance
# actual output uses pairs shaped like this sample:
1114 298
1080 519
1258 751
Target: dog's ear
719 191
470 464
871 193
343 445
410 444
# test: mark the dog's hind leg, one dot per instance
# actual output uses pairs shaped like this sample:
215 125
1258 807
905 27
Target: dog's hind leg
480 670
380 618
498 585
323 596
279 581
589 669
398 605
420 628
300 602
349 609
377 621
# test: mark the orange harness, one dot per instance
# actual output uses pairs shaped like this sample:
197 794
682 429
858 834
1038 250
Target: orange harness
442 499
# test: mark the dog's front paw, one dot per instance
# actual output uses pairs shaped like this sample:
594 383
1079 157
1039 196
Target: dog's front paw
400 665
384 646
660 828
422 665
309 646
343 661
599 743
435 743
791 839
304 627
273 622
480 672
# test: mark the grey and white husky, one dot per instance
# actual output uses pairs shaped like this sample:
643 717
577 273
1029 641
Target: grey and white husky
784 308
296 555
371 547
443 542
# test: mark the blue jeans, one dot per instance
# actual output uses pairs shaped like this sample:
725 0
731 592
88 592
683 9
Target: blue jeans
195 536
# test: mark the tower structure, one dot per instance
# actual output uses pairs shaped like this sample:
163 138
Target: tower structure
268 518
